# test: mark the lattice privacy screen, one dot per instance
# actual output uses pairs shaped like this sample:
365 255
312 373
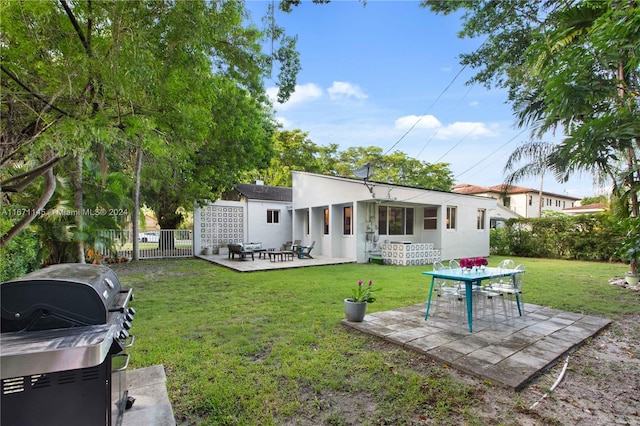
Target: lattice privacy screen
409 254
221 225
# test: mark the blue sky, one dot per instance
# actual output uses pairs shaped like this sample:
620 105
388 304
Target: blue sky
372 73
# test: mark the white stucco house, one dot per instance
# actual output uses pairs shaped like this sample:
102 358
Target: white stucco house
251 213
349 219
352 218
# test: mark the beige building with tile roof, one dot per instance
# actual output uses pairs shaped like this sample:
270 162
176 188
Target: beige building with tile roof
522 201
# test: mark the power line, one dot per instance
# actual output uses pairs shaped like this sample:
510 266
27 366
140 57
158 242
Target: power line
428 109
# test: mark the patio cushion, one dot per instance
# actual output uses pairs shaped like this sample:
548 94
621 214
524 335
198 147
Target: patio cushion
251 246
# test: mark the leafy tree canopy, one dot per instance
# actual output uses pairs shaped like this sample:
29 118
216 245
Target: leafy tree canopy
572 67
98 80
295 151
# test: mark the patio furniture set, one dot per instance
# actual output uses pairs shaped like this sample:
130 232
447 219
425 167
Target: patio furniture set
458 287
286 252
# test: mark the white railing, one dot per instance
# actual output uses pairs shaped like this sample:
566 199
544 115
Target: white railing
165 243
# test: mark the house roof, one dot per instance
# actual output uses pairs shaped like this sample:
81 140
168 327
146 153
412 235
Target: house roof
465 188
264 192
587 208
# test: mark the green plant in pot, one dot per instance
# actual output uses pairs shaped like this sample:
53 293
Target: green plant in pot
630 248
355 307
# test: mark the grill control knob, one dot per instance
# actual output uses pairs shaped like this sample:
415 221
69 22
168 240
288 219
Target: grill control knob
123 335
128 317
131 311
126 325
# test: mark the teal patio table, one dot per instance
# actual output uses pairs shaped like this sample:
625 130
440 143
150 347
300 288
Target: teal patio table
470 278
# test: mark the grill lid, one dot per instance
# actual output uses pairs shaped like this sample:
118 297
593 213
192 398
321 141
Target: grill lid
59 296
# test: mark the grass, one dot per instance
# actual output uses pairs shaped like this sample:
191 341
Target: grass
268 348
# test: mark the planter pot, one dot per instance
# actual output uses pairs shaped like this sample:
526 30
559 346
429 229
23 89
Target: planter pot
354 311
223 251
632 279
206 251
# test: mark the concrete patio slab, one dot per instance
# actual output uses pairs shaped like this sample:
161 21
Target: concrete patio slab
152 406
511 353
265 264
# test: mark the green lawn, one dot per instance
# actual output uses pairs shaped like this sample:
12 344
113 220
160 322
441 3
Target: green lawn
267 348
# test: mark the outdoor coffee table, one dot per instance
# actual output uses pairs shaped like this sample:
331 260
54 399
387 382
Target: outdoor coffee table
280 256
275 255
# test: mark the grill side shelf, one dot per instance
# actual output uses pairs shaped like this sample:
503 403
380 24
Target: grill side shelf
27 353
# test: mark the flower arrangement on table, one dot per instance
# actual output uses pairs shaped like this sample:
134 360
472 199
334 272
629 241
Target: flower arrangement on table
480 262
467 263
364 293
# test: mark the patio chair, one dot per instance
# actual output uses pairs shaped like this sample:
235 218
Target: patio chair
449 295
294 246
513 290
488 296
286 246
304 252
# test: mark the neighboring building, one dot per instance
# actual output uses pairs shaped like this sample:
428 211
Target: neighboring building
586 209
351 218
523 201
253 213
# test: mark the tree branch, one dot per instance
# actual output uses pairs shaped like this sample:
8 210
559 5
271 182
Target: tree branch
28 89
75 24
28 177
50 187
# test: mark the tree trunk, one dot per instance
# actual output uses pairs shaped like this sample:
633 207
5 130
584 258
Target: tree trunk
540 195
77 204
135 228
168 220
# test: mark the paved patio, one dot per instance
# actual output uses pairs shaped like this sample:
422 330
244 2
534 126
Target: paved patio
512 354
265 264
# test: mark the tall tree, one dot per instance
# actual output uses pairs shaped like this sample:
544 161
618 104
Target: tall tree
181 81
294 150
568 67
396 167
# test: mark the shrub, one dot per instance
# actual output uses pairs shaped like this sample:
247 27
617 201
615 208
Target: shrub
20 255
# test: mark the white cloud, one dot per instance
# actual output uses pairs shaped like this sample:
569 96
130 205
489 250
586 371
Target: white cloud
343 89
457 130
461 129
303 93
418 122
474 103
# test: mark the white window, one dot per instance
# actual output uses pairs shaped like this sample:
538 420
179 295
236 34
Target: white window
430 218
482 213
273 216
346 224
395 220
451 217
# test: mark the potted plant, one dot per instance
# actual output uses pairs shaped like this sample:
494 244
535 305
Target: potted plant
633 256
630 249
355 307
223 249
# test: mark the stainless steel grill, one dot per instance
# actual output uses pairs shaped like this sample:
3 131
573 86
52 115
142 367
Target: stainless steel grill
64 328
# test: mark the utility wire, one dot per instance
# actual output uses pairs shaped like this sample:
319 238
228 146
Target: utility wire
438 129
428 109
495 151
